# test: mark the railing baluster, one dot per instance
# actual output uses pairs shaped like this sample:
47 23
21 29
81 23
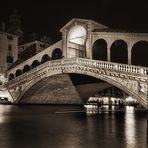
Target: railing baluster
88 63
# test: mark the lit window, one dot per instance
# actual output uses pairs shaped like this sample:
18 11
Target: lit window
77 35
9 55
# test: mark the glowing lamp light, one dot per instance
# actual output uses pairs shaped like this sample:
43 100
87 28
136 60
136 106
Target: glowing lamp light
128 99
2 79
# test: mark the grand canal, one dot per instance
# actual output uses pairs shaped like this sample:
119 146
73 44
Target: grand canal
70 127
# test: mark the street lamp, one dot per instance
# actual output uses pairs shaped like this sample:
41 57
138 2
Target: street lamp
2 79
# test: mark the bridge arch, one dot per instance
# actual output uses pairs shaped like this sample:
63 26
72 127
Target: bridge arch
18 73
119 52
10 77
45 58
99 50
35 64
26 68
139 53
57 54
99 74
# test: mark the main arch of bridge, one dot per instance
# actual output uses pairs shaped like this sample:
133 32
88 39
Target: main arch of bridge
78 71
26 81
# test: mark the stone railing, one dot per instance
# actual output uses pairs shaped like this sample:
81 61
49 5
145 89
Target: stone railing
114 66
38 57
134 70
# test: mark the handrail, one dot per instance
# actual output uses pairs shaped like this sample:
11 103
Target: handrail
136 70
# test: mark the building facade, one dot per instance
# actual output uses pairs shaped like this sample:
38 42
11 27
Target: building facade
8 50
30 49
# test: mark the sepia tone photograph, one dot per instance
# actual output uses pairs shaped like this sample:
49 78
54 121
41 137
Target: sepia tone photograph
74 74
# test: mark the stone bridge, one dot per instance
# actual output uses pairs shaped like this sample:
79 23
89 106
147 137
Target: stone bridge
131 79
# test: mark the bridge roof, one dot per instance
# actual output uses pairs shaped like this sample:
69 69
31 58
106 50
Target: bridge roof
95 24
119 30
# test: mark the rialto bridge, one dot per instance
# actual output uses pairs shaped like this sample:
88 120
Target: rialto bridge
87 48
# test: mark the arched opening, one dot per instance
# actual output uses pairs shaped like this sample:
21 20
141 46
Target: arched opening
45 58
26 68
57 54
35 64
99 51
79 87
139 53
18 73
11 76
79 91
119 52
76 42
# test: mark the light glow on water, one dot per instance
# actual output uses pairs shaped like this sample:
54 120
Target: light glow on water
130 127
67 127
3 110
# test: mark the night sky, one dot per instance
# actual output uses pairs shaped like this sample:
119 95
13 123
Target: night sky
48 16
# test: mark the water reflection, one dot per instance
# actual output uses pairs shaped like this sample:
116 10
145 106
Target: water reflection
4 109
93 109
130 127
67 127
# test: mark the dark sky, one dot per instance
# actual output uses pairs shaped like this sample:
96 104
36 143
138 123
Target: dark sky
48 16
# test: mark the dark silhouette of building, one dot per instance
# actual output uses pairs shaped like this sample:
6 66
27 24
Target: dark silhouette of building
14 26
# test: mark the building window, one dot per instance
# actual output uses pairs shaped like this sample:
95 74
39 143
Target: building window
33 45
9 50
42 45
9 59
9 37
76 41
9 55
77 35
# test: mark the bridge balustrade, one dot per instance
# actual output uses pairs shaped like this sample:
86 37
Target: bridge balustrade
145 71
130 69
114 66
87 62
132 73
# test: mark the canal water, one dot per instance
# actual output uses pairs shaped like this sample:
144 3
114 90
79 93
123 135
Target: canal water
46 126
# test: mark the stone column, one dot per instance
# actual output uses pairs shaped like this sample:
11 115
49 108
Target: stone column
129 56
89 42
64 37
130 46
129 49
108 51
